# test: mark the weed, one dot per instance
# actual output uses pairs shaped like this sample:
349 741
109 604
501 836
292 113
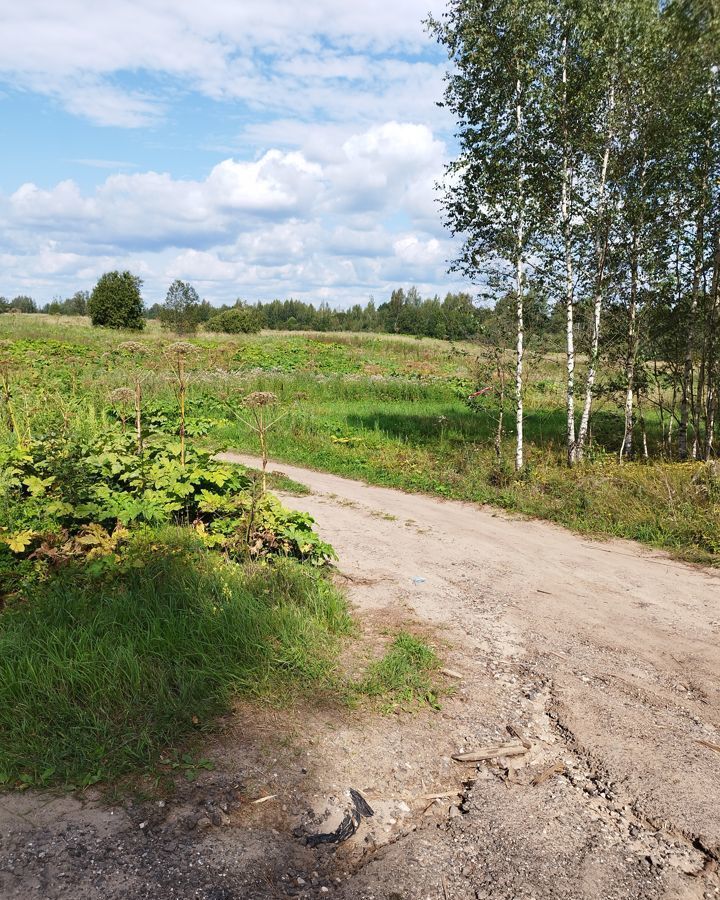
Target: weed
404 677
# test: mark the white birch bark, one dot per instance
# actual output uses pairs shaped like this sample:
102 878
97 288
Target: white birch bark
626 446
569 298
519 287
600 253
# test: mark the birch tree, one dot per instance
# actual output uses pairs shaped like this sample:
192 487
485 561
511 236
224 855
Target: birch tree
490 192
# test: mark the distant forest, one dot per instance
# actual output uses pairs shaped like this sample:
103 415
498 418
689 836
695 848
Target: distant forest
456 317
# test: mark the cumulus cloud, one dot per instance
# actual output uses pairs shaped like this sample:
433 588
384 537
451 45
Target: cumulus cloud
285 56
284 223
321 177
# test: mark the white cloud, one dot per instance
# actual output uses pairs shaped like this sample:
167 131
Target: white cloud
286 56
326 190
284 224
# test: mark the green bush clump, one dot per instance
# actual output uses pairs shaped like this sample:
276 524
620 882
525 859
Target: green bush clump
239 320
67 498
100 674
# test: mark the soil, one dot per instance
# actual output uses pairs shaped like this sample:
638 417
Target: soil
605 656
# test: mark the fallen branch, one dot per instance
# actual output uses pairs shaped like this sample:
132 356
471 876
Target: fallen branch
441 796
265 799
709 744
483 753
518 733
557 768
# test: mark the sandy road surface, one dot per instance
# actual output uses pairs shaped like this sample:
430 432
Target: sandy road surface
606 654
629 638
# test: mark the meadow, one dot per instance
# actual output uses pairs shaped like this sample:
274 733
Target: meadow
145 586
392 410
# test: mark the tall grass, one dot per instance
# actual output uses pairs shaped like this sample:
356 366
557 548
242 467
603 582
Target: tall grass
98 675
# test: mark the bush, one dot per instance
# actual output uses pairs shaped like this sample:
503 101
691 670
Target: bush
116 302
66 500
239 320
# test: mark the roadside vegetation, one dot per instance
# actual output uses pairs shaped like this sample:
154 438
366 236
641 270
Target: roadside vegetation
144 585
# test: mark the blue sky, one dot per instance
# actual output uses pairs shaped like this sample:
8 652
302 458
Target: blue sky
258 149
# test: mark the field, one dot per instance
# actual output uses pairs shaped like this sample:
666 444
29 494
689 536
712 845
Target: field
390 410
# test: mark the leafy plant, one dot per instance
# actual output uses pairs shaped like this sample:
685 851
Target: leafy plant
63 497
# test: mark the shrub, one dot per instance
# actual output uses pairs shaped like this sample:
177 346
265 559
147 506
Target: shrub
67 500
116 302
239 320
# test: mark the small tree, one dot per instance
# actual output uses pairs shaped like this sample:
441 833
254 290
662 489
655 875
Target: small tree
182 309
116 301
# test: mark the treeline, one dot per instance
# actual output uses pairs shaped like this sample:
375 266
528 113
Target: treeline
454 318
406 312
589 174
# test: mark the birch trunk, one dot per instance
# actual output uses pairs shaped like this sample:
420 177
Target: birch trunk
519 279
569 292
601 245
687 377
712 377
632 347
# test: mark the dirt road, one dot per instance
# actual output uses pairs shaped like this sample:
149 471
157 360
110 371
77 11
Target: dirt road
606 655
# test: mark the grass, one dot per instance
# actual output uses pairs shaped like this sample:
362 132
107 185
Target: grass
390 410
404 677
99 676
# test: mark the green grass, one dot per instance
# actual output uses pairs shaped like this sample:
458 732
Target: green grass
389 410
404 677
99 676
279 482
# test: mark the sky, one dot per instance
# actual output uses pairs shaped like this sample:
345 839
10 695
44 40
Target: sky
256 148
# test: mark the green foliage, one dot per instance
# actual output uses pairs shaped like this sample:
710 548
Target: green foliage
116 301
181 310
404 677
378 420
238 320
71 498
24 304
101 674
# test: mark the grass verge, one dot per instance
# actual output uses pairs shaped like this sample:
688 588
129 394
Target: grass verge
99 675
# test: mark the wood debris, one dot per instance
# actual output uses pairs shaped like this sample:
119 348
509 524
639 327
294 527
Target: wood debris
557 768
451 673
491 752
518 733
709 744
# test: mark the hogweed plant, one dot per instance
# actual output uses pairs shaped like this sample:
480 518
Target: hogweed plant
178 354
123 400
258 405
5 367
136 351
